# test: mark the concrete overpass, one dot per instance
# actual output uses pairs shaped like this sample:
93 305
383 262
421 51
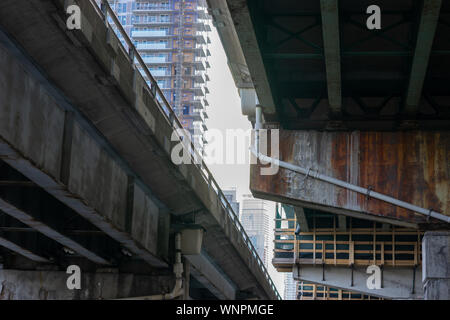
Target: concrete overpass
369 108
86 176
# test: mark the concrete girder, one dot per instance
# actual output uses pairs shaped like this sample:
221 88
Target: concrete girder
331 46
301 219
22 251
14 159
246 34
207 274
425 37
397 282
30 221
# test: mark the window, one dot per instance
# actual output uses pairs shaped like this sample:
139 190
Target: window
185 109
121 7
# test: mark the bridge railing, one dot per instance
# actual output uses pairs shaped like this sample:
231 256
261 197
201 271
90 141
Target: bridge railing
106 12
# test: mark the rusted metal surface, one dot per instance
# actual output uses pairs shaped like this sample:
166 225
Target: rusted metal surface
409 166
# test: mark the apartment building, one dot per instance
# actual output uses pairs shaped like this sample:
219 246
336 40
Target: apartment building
172 36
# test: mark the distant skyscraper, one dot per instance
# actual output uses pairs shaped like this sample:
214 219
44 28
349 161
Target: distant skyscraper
290 287
172 37
230 194
255 220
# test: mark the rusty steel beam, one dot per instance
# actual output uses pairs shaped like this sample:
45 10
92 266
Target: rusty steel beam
331 45
22 251
30 221
348 186
425 37
409 166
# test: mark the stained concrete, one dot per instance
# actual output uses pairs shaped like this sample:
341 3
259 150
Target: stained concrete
397 283
436 265
52 285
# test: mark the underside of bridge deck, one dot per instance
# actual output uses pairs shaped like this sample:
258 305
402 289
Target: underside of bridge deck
326 70
86 175
367 107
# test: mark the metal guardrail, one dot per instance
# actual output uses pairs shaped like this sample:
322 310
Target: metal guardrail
105 11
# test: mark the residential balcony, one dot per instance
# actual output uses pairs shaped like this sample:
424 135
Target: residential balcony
203 15
199 128
200 37
198 64
152 9
198 77
198 91
155 60
160 73
197 102
149 33
153 46
197 115
199 52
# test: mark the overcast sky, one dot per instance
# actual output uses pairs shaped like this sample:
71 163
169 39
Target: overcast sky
224 112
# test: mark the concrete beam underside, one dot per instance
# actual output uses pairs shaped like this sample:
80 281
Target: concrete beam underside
425 38
207 274
397 282
331 47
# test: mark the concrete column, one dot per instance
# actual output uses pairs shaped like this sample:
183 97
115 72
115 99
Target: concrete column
187 276
436 265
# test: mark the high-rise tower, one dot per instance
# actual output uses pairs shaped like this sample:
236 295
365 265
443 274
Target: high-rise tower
172 36
255 220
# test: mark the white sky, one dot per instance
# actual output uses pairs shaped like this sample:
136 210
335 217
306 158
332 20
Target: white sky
224 112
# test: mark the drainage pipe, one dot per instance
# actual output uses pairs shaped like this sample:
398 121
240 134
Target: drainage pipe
258 124
368 192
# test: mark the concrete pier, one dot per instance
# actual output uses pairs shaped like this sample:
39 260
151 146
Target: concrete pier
435 265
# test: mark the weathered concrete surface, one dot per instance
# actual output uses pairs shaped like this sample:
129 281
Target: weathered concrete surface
52 285
206 273
397 282
32 127
436 265
409 166
128 121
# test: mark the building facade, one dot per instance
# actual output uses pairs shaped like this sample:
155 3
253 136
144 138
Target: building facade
255 220
172 37
290 287
231 195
